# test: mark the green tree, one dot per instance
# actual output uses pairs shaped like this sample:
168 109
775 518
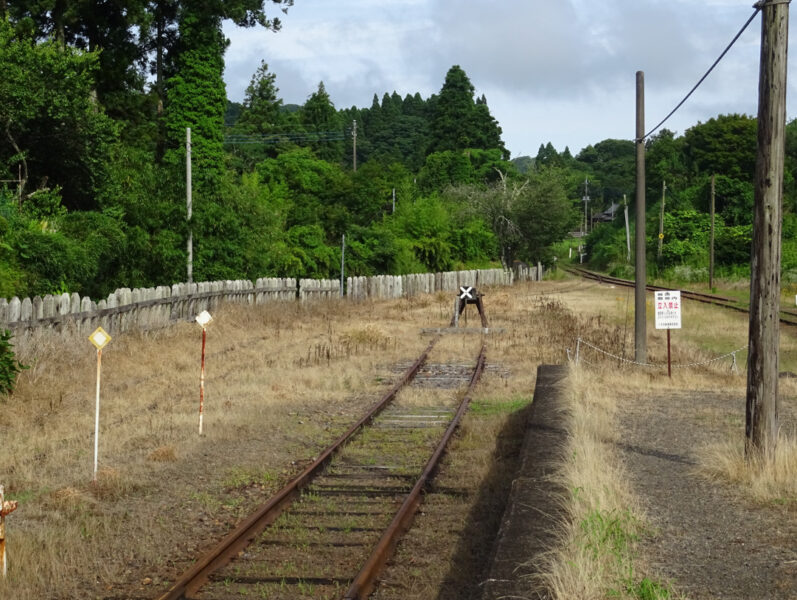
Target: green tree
664 161
458 122
313 186
262 108
261 115
197 99
526 216
319 117
45 103
443 169
725 145
611 164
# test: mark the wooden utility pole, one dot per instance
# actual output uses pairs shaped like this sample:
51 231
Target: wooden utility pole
188 206
585 199
627 231
661 216
711 240
761 427
640 320
354 145
342 262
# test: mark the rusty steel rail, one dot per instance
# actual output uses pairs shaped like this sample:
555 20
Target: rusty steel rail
365 581
238 539
787 316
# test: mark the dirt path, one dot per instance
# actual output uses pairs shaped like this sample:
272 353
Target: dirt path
708 541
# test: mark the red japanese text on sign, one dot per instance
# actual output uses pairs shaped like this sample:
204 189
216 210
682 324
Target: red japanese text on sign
668 309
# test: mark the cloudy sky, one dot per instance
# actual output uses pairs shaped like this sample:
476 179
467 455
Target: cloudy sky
552 70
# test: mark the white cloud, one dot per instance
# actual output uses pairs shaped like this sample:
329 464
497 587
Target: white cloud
560 71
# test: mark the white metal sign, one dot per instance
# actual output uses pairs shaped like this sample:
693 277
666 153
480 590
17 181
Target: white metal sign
465 293
668 309
99 338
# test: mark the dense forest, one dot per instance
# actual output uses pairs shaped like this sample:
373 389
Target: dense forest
95 101
679 171
96 98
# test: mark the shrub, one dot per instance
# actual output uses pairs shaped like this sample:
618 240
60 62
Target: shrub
9 365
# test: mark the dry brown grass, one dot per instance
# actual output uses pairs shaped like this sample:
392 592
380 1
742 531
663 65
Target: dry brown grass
266 407
769 482
282 381
163 454
587 563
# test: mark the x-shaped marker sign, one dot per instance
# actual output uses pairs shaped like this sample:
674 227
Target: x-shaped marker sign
466 293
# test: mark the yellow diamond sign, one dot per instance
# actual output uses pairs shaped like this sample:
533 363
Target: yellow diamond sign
99 338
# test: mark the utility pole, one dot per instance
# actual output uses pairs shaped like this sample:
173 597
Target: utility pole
188 205
711 241
342 261
627 231
586 202
761 425
354 145
661 216
394 200
640 320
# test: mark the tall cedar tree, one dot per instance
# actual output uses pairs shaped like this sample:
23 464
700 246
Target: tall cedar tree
319 116
262 108
458 122
197 98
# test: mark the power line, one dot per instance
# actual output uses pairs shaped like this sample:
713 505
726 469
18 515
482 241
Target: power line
275 138
757 7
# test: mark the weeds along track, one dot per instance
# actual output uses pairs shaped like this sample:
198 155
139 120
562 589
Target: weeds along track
787 317
328 533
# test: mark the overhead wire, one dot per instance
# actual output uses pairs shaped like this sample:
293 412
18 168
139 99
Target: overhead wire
758 6
275 138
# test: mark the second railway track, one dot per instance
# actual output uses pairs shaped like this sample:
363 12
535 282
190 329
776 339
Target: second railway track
328 533
787 317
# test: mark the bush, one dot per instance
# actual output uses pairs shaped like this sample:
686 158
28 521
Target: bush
9 365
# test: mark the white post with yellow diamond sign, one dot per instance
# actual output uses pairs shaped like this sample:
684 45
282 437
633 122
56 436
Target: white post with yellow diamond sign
100 339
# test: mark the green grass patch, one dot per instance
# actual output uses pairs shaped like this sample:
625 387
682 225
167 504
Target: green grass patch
648 589
613 534
239 477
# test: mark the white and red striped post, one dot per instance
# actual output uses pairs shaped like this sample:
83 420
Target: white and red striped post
203 319
6 508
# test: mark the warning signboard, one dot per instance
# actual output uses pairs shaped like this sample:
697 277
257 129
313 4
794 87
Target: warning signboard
668 309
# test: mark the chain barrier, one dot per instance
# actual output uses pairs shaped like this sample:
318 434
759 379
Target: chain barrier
579 359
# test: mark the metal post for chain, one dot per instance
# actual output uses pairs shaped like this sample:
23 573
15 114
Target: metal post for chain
734 369
578 349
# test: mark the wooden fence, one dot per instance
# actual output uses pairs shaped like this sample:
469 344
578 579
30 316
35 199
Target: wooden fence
151 308
403 286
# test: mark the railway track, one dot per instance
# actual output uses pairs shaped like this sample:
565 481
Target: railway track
328 533
787 317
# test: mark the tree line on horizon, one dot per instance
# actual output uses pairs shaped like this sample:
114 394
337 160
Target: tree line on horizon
679 170
94 106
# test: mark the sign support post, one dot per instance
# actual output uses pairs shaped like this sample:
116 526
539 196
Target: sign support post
100 339
203 319
669 361
668 316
